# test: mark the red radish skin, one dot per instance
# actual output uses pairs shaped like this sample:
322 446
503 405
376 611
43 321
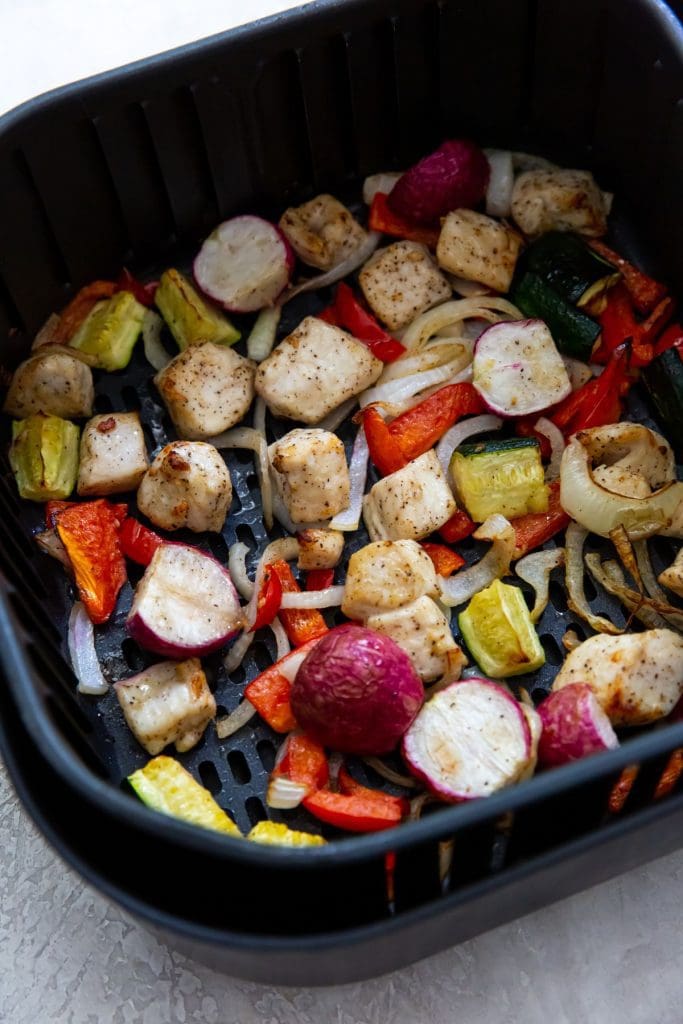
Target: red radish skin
356 692
185 604
470 740
245 264
454 176
574 725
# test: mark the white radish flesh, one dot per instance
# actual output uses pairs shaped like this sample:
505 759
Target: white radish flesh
517 369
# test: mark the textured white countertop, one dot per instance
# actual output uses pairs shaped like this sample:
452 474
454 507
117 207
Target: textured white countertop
612 954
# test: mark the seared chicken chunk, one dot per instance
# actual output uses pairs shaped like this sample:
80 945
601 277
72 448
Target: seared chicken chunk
187 485
322 231
402 281
386 575
311 475
313 370
559 200
52 382
673 576
636 678
320 549
478 248
422 631
167 703
207 389
113 454
410 503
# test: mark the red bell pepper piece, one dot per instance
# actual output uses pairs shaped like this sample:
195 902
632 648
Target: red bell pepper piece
672 337
301 624
618 323
90 534
73 315
598 401
144 293
52 510
352 813
644 291
418 429
446 561
269 599
351 787
536 528
319 579
524 427
385 450
138 542
269 692
457 527
383 219
329 315
351 315
304 761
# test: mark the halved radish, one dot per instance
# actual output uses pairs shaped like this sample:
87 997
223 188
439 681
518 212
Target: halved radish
574 725
185 604
245 264
517 369
471 739
455 175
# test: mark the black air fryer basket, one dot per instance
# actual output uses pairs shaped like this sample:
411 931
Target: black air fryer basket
134 168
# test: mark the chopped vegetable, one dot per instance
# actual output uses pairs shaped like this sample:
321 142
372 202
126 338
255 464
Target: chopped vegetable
262 336
189 317
535 570
459 433
138 542
144 293
351 812
498 630
618 323
574 725
531 531
457 527
350 314
351 787
672 577
89 532
383 219
501 180
574 332
645 292
301 624
301 769
500 477
270 691
574 578
445 560
44 457
164 785
598 401
572 268
77 311
663 380
110 331
455 175
492 566
418 429
274 833
385 449
84 660
269 599
319 579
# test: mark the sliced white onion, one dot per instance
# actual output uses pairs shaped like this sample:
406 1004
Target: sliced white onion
457 589
285 548
330 597
557 446
255 441
349 518
531 162
284 794
262 336
237 566
610 575
230 724
454 437
334 419
579 373
436 353
351 263
397 391
501 180
291 665
84 661
574 573
375 183
467 289
260 417
647 572
155 353
282 644
237 652
488 307
377 765
535 570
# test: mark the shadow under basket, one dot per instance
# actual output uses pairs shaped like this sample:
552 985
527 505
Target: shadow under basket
134 168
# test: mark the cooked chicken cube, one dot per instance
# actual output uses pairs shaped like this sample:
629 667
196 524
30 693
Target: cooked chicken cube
636 678
402 281
187 485
410 503
311 475
167 703
53 382
320 549
422 630
113 454
207 389
313 370
559 200
386 575
322 231
478 248
673 576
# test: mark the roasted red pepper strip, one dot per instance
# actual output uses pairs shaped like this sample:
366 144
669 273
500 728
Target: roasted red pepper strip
385 450
418 429
138 542
381 218
618 323
457 527
90 534
269 692
329 315
52 510
144 293
73 315
446 561
351 315
269 599
301 624
524 427
672 337
319 579
350 787
352 813
535 529
304 762
644 291
597 402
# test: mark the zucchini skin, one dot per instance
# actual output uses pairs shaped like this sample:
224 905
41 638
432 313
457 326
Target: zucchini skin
570 267
663 380
574 333
496 446
503 477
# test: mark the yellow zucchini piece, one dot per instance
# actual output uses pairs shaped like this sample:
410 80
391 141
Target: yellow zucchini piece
497 628
500 477
44 457
273 833
110 331
188 316
164 785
